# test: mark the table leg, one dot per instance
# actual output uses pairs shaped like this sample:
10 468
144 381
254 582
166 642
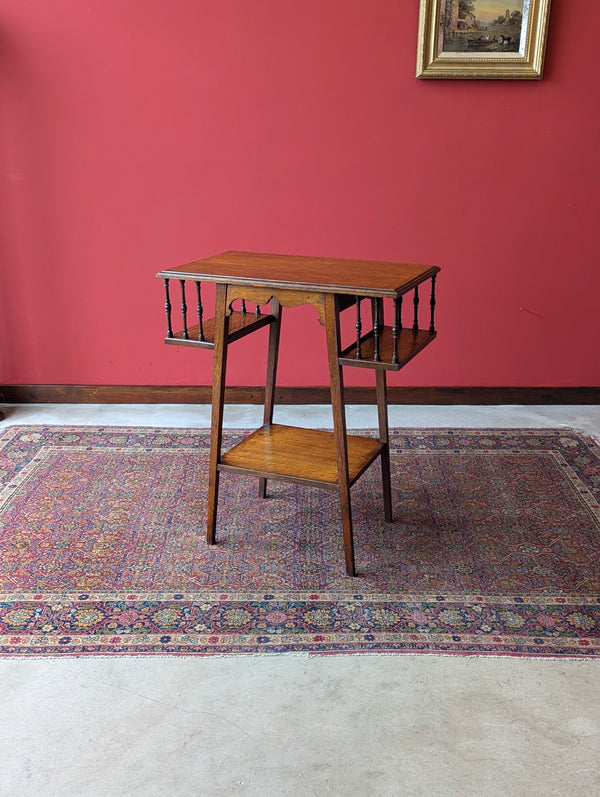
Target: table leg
274 334
332 326
384 438
218 397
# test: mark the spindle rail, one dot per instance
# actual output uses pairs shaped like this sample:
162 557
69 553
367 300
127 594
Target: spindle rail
389 348
202 333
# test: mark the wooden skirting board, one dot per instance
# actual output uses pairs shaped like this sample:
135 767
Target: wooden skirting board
184 394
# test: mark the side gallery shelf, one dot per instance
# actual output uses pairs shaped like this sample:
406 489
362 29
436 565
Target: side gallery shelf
351 297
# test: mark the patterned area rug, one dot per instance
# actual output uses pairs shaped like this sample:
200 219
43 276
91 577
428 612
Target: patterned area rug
494 549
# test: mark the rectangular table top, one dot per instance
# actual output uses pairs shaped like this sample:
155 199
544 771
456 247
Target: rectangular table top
299 272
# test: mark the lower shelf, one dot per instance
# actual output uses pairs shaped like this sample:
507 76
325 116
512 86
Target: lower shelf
307 456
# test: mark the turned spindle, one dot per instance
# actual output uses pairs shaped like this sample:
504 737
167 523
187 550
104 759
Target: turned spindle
416 306
376 311
184 310
200 311
397 326
168 309
432 305
358 327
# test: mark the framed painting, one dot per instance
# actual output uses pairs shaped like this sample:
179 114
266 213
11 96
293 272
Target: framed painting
482 38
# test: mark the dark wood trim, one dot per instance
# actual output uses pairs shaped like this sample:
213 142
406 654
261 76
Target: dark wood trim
186 394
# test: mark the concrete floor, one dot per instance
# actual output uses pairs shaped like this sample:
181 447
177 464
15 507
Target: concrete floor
293 725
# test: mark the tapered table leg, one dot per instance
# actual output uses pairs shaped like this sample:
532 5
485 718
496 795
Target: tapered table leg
384 438
218 397
332 326
272 359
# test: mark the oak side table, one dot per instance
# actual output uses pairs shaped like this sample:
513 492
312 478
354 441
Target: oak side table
328 460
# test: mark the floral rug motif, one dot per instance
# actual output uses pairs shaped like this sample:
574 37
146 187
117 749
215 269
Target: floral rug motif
494 548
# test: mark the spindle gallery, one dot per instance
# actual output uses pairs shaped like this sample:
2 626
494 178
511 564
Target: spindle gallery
381 346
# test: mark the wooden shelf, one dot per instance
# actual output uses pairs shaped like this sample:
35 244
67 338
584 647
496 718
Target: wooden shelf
306 456
409 344
240 324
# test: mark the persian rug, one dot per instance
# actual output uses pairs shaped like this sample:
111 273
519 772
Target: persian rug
494 548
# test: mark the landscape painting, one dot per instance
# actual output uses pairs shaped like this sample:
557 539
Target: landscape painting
482 38
482 26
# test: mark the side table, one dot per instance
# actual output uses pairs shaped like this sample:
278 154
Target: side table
328 460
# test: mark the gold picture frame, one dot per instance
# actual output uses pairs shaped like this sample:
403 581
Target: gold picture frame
466 39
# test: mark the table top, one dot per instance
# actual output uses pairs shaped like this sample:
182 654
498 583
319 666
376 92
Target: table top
298 272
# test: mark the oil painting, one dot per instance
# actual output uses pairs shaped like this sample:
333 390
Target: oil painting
482 38
481 26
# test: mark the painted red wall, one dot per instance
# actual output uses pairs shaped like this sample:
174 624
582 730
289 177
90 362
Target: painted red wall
141 134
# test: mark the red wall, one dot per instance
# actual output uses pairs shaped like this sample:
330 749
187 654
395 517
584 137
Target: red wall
141 134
